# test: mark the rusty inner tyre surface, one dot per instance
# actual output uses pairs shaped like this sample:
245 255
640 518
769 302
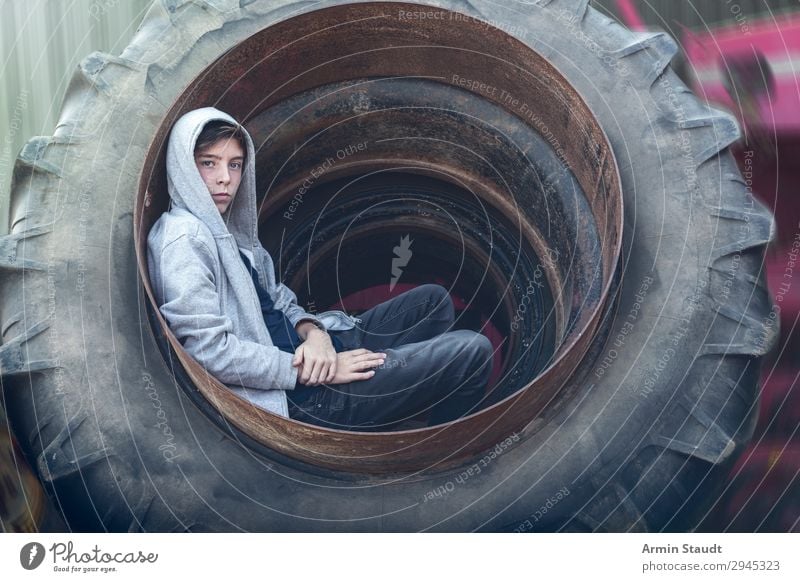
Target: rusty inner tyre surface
369 127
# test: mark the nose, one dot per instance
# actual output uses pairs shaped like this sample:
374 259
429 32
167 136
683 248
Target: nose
224 176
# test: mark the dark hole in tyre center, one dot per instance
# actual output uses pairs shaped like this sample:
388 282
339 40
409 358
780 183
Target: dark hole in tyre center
350 170
374 148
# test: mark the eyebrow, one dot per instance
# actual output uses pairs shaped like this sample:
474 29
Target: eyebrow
217 157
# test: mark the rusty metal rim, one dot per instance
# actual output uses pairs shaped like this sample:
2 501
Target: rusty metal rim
281 434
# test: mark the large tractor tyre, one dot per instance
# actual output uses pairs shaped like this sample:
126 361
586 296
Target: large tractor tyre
649 328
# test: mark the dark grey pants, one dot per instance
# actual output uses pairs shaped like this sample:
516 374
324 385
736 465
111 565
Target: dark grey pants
428 367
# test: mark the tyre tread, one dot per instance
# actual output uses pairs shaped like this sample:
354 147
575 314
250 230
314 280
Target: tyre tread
9 258
15 361
650 52
578 8
55 463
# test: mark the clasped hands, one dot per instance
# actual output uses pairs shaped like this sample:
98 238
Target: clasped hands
318 363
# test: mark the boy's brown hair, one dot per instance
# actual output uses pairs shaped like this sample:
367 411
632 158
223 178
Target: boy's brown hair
213 131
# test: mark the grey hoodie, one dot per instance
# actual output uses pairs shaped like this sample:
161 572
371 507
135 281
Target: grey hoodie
202 286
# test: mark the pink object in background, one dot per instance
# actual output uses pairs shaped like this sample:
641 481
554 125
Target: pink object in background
630 15
720 53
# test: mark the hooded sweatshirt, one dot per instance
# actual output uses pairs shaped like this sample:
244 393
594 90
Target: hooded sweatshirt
203 288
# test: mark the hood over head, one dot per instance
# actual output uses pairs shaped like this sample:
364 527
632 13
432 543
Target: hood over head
188 191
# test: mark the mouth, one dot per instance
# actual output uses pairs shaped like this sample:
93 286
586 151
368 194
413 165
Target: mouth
221 195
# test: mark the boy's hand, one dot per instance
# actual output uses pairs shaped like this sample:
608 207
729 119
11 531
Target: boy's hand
316 358
355 365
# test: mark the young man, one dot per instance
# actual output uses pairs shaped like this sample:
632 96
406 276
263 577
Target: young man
216 288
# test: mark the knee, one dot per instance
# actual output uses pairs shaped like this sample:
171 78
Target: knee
484 345
483 348
441 304
475 360
477 346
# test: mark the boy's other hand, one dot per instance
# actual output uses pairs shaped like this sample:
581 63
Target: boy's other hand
355 365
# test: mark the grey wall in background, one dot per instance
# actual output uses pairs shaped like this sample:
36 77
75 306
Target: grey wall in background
41 44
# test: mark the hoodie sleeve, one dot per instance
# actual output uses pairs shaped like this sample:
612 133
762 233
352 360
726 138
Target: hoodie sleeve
286 301
191 308
283 297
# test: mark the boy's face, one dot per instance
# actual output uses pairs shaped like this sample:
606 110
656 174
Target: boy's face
220 166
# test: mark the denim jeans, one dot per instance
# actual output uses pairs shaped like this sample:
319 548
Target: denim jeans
428 367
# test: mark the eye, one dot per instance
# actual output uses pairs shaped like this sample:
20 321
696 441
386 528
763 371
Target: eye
236 165
207 163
